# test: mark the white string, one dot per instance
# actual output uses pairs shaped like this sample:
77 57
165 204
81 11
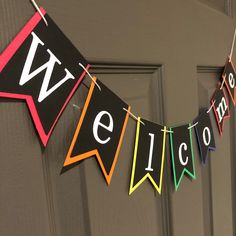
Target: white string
222 84
132 115
190 127
90 76
232 47
75 106
211 106
38 9
167 131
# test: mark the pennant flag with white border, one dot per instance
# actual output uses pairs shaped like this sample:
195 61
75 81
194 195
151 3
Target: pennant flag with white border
182 153
41 66
100 130
149 155
205 134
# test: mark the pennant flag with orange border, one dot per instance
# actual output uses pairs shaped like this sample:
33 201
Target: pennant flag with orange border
100 130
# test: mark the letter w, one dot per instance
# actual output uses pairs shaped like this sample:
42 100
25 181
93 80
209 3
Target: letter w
49 66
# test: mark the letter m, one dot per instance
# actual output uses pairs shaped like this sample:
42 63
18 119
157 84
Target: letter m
221 109
48 66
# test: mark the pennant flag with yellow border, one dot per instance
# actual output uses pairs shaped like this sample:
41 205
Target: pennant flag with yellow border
149 155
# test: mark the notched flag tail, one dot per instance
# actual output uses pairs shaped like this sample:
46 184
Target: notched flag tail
149 155
100 130
204 134
221 107
229 75
182 153
46 72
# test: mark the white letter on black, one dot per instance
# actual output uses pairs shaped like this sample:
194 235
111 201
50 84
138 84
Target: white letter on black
231 80
221 109
149 168
205 140
183 145
49 66
97 123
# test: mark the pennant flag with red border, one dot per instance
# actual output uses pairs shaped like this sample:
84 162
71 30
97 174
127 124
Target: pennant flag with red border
229 75
41 66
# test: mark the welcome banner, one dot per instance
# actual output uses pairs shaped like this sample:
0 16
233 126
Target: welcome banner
42 67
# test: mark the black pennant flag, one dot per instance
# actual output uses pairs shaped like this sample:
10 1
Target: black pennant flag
100 130
182 153
149 154
221 107
41 66
205 134
229 75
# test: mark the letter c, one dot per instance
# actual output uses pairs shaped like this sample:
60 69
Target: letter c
183 146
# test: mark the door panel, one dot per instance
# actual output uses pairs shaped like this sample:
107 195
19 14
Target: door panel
216 176
109 216
23 204
220 5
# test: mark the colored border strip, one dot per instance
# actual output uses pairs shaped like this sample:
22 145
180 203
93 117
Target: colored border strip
132 187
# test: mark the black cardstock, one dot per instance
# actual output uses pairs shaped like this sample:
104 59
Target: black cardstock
228 74
47 111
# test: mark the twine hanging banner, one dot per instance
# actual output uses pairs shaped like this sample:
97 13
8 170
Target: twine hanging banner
42 67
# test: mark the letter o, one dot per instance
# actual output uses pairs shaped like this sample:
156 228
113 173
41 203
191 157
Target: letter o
205 140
